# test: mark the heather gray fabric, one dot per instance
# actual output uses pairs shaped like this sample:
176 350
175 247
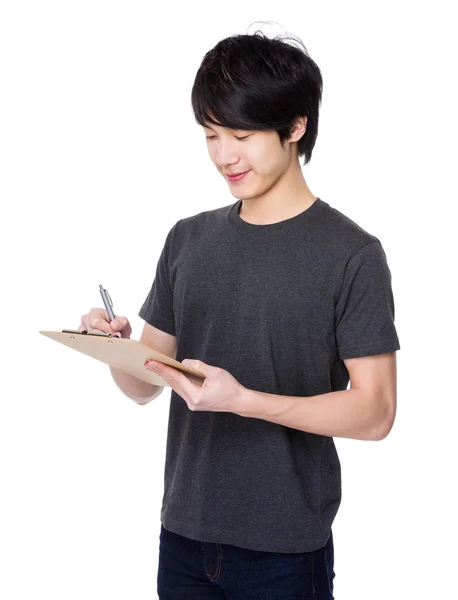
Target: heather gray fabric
279 306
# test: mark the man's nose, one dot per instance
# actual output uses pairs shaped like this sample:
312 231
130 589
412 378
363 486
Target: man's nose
227 153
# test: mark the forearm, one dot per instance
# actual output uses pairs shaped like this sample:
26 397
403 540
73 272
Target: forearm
348 413
136 389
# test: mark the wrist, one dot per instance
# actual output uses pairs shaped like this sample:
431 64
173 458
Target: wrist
245 402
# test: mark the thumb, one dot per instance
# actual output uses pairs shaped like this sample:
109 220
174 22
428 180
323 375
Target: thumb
118 323
199 365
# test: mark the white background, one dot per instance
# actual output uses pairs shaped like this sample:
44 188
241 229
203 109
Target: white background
100 155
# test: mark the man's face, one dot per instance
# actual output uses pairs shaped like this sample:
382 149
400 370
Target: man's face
258 153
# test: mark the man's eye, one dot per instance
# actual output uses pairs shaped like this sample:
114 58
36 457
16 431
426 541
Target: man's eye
242 139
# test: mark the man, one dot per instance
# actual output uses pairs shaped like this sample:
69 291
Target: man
280 300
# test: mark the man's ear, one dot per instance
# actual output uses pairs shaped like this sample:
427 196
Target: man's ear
298 129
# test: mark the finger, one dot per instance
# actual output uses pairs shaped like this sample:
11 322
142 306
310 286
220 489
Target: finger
87 326
84 328
100 325
198 365
176 380
84 323
118 323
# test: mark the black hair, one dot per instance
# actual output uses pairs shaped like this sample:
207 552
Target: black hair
252 82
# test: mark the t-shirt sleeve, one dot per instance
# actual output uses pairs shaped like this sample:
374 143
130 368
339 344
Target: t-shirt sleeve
364 313
157 309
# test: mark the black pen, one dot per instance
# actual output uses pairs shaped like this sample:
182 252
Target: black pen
108 305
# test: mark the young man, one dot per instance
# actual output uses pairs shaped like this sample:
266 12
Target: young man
280 301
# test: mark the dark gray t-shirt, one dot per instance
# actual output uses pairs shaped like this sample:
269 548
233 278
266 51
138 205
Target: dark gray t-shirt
279 306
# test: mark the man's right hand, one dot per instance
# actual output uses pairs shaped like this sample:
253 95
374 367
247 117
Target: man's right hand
97 320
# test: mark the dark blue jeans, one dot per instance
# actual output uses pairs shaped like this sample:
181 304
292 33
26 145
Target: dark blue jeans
191 570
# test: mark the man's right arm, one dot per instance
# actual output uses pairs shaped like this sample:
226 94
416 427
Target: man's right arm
136 389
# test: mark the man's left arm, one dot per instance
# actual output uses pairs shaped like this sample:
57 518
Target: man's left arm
365 411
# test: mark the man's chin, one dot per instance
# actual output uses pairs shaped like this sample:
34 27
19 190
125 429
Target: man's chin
241 194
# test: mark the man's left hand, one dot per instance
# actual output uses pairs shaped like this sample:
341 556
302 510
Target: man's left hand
220 391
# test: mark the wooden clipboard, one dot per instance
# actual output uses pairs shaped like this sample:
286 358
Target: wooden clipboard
124 354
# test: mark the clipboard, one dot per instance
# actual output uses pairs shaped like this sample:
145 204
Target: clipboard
122 353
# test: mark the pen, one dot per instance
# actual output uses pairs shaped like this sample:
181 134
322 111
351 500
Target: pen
108 304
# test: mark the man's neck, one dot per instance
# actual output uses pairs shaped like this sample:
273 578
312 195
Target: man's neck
286 199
